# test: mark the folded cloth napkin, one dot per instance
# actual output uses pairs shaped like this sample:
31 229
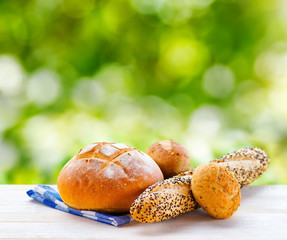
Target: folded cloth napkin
51 198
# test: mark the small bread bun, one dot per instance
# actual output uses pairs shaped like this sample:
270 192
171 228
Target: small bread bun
171 156
106 177
216 190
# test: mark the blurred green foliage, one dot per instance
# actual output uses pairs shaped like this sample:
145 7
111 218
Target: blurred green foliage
209 74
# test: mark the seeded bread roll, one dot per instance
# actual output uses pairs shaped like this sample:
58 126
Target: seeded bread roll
247 165
164 200
216 190
172 157
107 177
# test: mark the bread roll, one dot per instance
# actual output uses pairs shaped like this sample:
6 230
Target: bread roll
164 200
107 177
247 165
172 157
216 190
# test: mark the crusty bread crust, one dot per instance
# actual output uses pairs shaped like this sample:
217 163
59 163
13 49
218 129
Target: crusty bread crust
106 177
216 190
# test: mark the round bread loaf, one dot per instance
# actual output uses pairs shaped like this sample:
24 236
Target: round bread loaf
171 156
106 177
216 190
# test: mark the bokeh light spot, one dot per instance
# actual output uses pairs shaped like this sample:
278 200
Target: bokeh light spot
9 155
182 57
175 12
218 81
272 64
11 75
43 87
88 94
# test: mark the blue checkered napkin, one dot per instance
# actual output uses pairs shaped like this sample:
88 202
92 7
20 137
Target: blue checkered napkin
51 198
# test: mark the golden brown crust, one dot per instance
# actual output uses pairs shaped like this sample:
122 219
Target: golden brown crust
107 177
216 190
172 157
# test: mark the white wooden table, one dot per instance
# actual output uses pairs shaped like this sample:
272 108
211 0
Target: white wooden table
262 215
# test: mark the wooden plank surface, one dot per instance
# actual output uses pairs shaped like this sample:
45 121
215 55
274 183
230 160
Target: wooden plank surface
261 215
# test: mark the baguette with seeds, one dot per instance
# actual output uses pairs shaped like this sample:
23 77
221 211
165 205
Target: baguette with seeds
172 197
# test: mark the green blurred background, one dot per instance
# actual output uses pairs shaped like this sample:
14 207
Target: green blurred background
209 74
